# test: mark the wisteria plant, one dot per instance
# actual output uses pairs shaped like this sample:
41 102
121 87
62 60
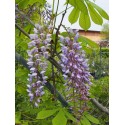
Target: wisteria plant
56 59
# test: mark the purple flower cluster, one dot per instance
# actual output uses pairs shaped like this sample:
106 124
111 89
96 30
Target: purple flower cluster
46 14
37 53
74 64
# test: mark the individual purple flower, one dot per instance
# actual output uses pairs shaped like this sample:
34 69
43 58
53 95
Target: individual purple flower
64 59
76 36
61 38
31 44
46 55
36 104
33 36
30 63
38 27
35 31
64 49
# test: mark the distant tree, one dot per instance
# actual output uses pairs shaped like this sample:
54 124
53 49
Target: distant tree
105 31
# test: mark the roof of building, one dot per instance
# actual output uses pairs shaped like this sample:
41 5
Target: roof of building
89 31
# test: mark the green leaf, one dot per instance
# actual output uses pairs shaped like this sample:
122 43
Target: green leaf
81 6
21 89
46 113
100 10
79 123
60 119
25 123
85 121
73 17
88 9
70 116
96 18
64 34
87 50
28 27
21 74
88 45
17 1
86 41
72 2
92 119
84 21
23 4
17 117
31 2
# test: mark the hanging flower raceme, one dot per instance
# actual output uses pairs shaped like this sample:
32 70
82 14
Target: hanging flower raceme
37 53
47 14
74 64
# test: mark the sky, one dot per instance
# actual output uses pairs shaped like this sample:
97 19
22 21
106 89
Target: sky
104 4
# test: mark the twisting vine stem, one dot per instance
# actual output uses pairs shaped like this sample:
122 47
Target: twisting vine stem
21 13
55 16
57 32
53 7
53 73
64 10
25 33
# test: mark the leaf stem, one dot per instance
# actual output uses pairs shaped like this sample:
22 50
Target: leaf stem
57 32
64 10
21 13
53 7
55 16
